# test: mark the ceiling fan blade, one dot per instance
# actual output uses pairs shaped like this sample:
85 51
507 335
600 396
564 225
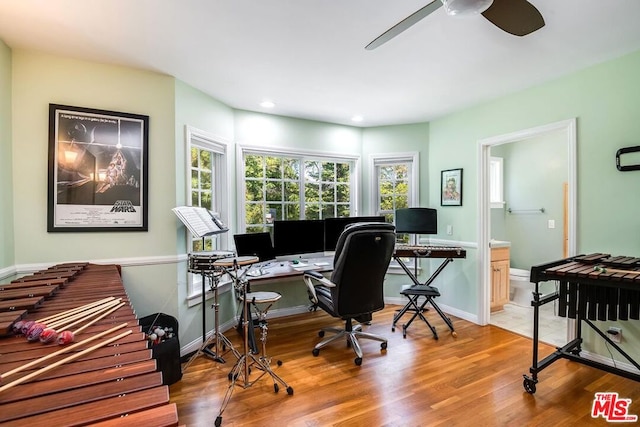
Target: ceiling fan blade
517 17
404 24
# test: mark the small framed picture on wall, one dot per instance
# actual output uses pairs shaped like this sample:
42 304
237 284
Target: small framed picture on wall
451 187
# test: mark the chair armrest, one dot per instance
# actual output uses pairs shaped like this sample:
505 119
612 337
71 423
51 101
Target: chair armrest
310 277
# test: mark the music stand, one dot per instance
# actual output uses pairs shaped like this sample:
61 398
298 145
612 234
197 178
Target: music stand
203 223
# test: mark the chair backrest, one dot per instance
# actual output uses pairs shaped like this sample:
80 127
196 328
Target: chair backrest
362 256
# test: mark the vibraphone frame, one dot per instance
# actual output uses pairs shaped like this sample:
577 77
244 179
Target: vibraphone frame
585 294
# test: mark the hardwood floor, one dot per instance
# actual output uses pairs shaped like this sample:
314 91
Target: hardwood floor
474 379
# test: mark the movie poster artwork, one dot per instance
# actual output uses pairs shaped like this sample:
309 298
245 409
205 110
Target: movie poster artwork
97 170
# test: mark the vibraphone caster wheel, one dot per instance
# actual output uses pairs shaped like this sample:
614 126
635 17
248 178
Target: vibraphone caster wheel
383 346
358 361
218 422
290 391
276 388
393 328
315 352
454 334
529 384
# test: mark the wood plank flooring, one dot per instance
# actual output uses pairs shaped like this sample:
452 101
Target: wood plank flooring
474 379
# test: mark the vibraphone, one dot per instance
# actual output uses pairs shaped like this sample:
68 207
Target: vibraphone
595 287
114 385
425 289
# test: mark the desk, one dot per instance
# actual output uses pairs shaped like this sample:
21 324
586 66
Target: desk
273 270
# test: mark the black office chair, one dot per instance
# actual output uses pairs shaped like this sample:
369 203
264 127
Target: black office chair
355 289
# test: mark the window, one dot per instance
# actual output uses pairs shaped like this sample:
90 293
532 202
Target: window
394 185
206 181
496 188
295 185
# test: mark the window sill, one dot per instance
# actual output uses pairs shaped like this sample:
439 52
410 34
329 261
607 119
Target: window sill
196 298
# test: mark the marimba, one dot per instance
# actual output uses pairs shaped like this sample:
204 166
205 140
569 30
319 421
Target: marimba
595 287
116 384
417 290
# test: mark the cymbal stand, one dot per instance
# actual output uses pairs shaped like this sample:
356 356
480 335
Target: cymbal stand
218 338
242 368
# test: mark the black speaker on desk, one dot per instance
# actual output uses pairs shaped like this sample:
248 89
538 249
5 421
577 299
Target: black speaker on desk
417 221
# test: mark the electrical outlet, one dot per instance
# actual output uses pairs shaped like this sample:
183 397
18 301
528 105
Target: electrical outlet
449 230
615 334
551 223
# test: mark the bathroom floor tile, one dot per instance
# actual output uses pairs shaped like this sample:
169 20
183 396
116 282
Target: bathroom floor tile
552 329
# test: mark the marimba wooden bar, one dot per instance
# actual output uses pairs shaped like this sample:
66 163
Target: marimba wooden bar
594 287
114 385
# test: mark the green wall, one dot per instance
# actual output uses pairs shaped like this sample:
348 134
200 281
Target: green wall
605 99
147 257
6 182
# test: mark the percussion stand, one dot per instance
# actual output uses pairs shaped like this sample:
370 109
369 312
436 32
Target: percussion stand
214 279
242 367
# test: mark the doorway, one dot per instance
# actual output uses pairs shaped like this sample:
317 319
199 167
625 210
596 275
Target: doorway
567 141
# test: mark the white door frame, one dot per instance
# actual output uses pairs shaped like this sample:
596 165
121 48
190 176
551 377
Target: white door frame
484 151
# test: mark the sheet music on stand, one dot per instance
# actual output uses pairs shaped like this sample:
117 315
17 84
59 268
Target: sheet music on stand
201 222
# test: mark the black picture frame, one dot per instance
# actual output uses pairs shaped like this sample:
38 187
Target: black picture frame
451 187
98 170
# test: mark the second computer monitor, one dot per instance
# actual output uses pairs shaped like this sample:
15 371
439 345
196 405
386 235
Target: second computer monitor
333 227
255 244
296 237
417 221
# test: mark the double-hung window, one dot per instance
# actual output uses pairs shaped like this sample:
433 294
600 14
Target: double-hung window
207 184
289 185
394 179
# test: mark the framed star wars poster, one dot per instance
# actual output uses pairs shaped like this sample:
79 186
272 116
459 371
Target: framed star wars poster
98 170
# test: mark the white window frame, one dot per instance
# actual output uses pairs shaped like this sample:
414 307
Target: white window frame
242 149
381 159
496 182
220 196
376 160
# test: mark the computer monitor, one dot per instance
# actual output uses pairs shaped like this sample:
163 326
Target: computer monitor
297 237
417 221
255 244
333 227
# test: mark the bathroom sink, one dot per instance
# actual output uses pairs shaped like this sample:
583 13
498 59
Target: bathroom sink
499 244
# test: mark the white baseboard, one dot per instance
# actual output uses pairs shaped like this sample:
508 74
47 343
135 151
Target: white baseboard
473 318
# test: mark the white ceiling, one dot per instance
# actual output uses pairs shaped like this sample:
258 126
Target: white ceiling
308 56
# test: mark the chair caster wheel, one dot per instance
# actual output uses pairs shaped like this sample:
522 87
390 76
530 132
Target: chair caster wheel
290 391
315 352
321 334
358 361
383 346
279 363
276 388
218 422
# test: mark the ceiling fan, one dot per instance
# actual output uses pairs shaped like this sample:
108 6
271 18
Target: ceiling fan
517 17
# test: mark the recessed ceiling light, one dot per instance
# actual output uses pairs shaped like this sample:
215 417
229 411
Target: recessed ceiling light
267 104
357 118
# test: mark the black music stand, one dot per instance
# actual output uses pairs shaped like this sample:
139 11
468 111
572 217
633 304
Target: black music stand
202 223
419 221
